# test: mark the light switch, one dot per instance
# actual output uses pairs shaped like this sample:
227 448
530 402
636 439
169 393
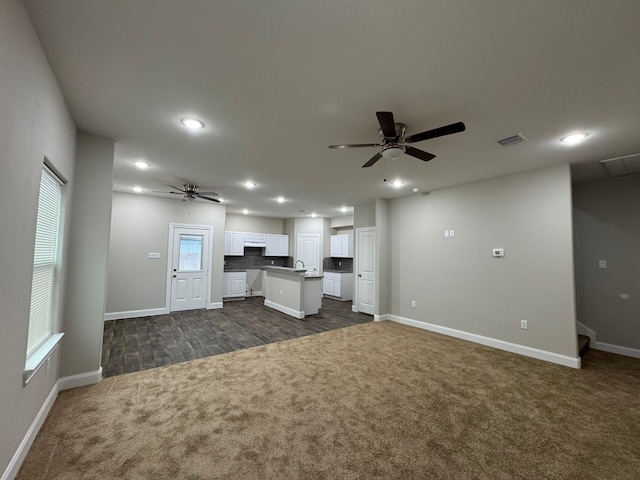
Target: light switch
602 264
446 234
154 254
452 233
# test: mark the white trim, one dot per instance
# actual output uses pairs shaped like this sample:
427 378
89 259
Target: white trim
608 347
254 294
172 226
18 457
283 309
492 342
381 318
80 380
354 308
147 312
213 305
582 329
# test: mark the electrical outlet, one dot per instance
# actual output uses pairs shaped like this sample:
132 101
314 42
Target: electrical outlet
280 292
413 304
272 262
452 233
339 264
446 234
524 324
602 264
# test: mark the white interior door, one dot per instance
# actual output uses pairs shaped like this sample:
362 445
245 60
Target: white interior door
365 271
309 251
189 272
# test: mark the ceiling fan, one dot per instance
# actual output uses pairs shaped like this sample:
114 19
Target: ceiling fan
191 192
393 139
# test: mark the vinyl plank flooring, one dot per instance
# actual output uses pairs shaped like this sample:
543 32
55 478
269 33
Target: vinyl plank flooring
136 344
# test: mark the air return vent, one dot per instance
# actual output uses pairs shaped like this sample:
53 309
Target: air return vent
513 139
620 166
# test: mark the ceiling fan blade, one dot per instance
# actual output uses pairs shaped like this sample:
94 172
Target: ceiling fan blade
436 132
161 191
373 160
210 199
387 123
356 145
207 193
179 189
421 154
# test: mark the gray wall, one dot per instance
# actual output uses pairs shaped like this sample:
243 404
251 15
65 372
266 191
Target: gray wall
87 267
139 225
606 216
364 215
250 223
35 123
383 257
455 281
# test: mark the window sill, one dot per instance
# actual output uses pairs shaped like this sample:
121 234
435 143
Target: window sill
40 356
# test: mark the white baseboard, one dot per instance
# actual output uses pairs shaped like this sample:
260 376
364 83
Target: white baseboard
80 380
608 347
354 308
213 305
283 309
254 294
492 342
148 312
18 457
582 329
381 318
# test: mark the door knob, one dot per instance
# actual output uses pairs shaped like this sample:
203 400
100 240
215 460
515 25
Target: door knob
358 275
174 276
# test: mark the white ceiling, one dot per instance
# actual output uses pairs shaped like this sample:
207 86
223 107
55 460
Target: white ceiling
276 82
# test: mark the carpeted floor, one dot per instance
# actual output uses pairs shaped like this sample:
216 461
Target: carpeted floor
372 401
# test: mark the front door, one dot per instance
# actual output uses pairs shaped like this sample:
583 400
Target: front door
189 268
309 251
365 270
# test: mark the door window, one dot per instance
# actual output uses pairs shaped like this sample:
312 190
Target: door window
190 253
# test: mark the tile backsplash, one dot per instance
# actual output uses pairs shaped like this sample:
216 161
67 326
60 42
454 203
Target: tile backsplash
253 258
338 264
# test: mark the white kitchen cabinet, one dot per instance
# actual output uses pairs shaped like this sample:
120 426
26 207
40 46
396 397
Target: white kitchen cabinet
337 284
341 246
234 243
234 284
277 245
250 239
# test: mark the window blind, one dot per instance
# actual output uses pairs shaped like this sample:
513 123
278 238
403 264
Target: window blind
45 261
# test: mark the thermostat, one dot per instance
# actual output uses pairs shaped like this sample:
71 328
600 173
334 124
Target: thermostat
498 252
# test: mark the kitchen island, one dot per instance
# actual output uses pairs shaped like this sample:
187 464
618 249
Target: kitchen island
293 291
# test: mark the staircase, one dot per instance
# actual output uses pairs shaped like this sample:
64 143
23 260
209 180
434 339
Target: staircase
583 344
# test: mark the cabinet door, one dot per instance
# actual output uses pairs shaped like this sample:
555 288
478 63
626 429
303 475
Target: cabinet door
238 285
345 246
227 243
283 245
328 283
226 286
271 250
259 237
336 246
249 237
237 243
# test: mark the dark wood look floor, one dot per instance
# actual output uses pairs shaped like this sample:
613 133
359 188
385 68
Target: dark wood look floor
139 343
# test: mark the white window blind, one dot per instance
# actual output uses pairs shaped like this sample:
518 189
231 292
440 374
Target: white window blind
45 262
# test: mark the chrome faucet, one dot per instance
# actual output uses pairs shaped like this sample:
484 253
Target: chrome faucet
296 264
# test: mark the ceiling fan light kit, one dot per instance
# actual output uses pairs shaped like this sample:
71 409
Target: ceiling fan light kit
393 137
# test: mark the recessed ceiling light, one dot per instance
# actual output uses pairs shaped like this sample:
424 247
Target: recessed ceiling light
574 138
141 165
280 199
137 189
314 215
344 209
192 123
249 184
221 200
416 190
397 183
245 211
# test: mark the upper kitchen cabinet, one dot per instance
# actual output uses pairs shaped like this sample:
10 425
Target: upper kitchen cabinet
277 245
234 243
341 246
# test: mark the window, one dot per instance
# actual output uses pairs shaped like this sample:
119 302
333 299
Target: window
45 262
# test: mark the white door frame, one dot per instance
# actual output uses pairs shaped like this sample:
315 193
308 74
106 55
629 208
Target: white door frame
209 267
356 269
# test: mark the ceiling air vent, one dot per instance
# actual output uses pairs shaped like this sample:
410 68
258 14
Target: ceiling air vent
620 166
513 139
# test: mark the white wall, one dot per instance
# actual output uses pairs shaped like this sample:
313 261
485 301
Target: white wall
35 124
253 224
87 266
139 225
455 281
607 227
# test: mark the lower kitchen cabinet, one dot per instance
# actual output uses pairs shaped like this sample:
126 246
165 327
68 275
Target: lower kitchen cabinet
234 284
339 285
